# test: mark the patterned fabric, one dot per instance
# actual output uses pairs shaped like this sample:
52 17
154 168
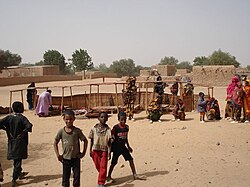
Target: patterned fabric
179 110
213 109
246 90
101 136
129 96
154 109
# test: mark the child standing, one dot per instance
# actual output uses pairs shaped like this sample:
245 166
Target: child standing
100 136
201 108
17 127
120 146
71 157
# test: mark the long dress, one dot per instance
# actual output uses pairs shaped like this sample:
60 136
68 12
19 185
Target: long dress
43 104
246 101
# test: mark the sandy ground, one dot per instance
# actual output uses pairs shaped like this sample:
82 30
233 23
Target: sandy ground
169 154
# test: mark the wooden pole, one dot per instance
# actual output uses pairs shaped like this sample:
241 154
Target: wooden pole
98 95
181 90
22 96
89 95
116 95
85 99
153 91
139 102
71 97
146 107
62 99
10 101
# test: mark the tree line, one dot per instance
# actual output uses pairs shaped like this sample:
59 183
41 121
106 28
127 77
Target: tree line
82 61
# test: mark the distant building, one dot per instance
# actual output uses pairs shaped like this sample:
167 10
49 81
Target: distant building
30 71
163 70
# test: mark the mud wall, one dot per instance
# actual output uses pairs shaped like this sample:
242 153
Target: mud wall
213 75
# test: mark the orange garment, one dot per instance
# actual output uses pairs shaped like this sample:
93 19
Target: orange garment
246 100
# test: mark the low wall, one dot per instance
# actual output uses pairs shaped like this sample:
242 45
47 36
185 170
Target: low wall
113 99
27 80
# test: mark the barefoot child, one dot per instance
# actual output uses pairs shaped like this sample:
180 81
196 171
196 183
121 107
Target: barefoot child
17 127
120 146
71 157
100 136
201 108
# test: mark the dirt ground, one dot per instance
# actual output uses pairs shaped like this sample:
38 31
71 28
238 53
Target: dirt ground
185 153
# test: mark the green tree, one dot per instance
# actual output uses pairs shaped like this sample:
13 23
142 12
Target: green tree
53 57
124 67
81 60
248 67
184 65
102 68
168 61
223 58
9 59
217 58
40 63
198 61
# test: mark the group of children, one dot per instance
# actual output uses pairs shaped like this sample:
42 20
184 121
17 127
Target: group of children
103 141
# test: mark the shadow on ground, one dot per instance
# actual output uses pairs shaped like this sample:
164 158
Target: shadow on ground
35 179
127 180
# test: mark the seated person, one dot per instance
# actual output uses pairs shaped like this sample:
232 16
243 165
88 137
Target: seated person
179 110
213 109
188 89
154 110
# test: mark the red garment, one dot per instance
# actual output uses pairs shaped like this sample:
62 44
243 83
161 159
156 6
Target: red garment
231 87
237 96
100 159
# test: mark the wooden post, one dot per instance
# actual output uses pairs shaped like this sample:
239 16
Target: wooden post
181 90
89 95
71 97
98 95
139 102
212 91
116 96
154 91
146 107
85 100
62 99
10 101
22 96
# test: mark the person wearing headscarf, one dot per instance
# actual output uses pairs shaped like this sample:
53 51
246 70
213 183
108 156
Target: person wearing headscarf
31 91
44 103
179 110
237 100
230 90
246 101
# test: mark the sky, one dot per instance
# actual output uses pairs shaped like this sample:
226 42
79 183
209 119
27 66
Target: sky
143 30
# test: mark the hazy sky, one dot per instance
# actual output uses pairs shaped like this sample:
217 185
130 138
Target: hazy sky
143 30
